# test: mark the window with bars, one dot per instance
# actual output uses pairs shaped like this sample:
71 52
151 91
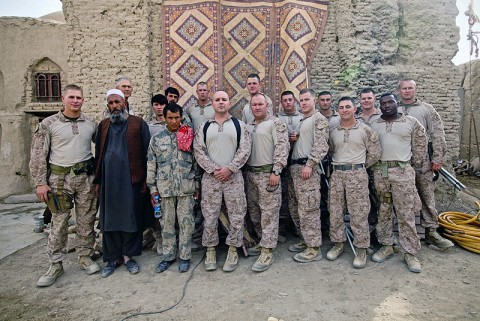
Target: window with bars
47 87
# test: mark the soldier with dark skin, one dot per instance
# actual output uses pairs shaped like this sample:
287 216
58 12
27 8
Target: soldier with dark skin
404 145
61 146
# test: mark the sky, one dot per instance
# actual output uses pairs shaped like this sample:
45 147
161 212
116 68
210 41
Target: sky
38 8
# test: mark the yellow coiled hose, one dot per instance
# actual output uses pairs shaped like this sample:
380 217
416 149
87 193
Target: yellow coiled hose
463 228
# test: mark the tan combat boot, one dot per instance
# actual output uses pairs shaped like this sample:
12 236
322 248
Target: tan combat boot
360 259
413 263
385 252
231 262
254 250
432 237
89 265
298 247
55 270
211 259
264 261
335 252
309 255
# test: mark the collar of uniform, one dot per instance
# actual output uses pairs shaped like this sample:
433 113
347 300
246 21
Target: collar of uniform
402 118
65 119
377 112
356 125
314 112
268 117
283 113
214 121
416 102
209 104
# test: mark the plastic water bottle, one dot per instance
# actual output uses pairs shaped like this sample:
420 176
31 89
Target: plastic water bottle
157 210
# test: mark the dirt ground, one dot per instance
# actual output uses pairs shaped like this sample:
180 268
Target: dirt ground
447 288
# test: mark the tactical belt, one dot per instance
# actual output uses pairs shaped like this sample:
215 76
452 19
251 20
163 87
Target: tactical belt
77 169
260 169
347 167
385 165
300 161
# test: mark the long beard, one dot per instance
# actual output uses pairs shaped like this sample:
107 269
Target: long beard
117 118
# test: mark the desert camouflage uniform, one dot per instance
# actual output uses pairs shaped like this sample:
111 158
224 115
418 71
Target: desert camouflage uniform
269 148
358 145
431 121
312 144
66 143
200 114
333 120
404 145
170 173
288 195
373 117
220 150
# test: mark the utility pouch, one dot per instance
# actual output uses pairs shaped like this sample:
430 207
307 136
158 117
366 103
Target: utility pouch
59 203
386 197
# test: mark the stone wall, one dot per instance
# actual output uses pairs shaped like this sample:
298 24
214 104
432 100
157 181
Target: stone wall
376 43
24 43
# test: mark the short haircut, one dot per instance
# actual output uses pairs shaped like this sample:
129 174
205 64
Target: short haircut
119 79
259 94
307 90
286 93
159 99
254 76
389 94
202 83
406 79
367 91
72 87
324 92
346 98
172 90
173 108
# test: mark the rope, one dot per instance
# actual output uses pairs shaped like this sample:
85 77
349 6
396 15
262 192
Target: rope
463 228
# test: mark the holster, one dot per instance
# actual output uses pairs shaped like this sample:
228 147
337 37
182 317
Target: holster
59 203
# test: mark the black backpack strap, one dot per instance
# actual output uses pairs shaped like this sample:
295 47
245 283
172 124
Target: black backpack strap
236 123
205 128
239 131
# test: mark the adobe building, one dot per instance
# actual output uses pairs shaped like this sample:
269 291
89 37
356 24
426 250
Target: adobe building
371 43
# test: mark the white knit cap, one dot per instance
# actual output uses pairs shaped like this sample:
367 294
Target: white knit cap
115 92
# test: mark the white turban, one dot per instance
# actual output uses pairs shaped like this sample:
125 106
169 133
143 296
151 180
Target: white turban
115 92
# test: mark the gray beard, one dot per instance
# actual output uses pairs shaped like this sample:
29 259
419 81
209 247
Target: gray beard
117 118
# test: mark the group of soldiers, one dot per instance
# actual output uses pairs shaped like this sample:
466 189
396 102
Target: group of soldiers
202 153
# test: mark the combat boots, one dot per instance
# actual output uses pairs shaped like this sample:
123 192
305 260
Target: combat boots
432 237
385 252
309 255
335 252
264 261
89 265
360 259
55 270
298 247
211 259
231 262
413 263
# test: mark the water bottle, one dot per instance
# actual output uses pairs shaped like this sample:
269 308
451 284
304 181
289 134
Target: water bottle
157 210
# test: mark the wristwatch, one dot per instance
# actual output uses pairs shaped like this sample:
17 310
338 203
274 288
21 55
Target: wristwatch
277 172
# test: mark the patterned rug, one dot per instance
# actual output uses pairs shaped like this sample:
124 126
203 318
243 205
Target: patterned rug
221 42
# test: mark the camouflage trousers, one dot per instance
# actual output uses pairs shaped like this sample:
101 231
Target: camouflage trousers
292 200
426 190
264 208
349 189
307 193
180 208
404 198
81 188
233 193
